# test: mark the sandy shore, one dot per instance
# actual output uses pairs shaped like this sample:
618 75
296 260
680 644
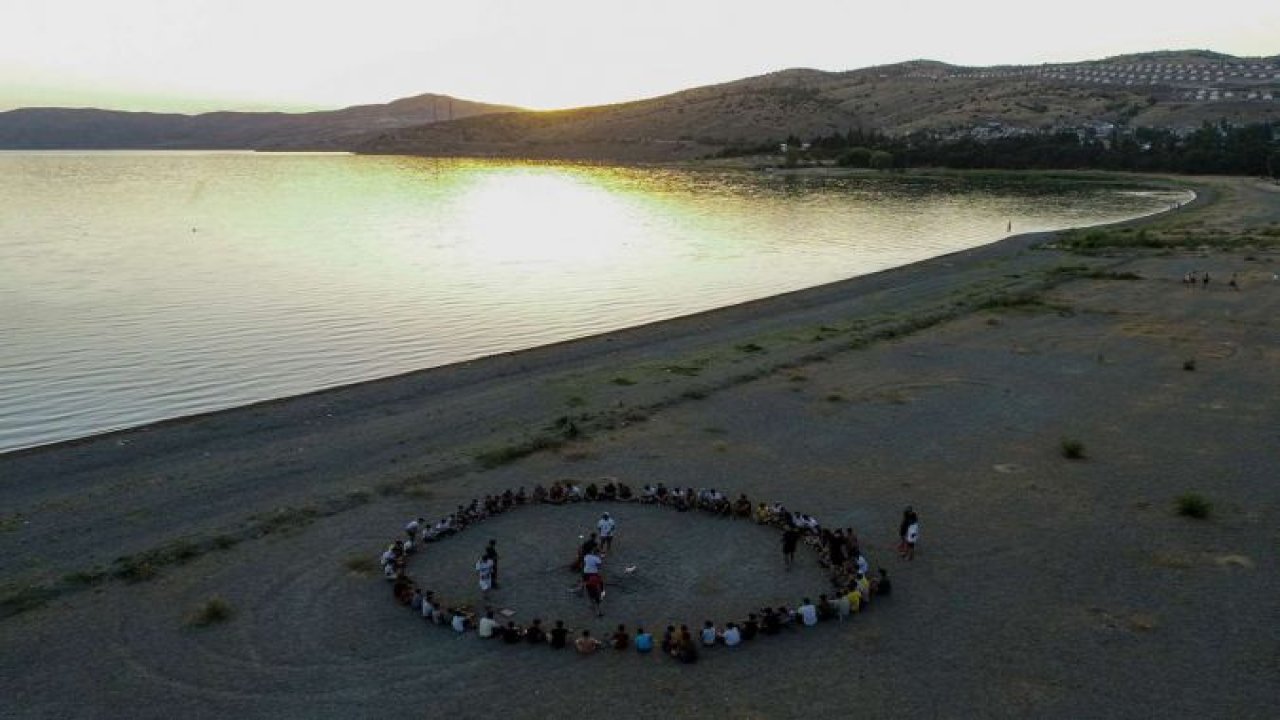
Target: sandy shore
1045 587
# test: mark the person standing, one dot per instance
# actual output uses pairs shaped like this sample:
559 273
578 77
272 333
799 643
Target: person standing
484 573
607 526
491 554
913 536
790 539
908 516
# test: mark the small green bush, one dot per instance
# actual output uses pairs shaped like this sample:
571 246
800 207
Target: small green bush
1194 505
1072 449
214 610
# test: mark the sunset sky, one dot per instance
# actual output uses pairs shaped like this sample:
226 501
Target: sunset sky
197 55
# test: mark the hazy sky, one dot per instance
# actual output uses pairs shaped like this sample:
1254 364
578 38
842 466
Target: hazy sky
195 55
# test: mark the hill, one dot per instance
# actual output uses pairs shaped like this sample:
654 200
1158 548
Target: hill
73 128
1167 90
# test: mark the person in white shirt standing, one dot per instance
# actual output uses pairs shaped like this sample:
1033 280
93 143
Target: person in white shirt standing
607 526
484 572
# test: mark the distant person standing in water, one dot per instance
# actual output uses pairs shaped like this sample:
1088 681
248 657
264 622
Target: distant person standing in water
1206 280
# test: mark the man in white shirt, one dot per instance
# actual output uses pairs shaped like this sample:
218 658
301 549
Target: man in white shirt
484 572
606 527
487 625
732 636
808 613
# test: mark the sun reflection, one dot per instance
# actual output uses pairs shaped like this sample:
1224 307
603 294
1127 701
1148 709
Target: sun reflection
544 216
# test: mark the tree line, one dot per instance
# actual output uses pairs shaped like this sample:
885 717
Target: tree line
1213 148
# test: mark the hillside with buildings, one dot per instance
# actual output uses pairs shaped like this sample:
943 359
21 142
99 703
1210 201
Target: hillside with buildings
1169 90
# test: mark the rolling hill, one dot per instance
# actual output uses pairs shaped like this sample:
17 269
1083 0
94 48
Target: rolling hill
75 128
1168 90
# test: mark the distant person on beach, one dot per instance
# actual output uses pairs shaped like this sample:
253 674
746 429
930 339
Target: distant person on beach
559 636
913 536
491 553
808 613
487 625
883 587
484 573
585 644
594 585
606 526
1010 228
708 635
535 634
1205 280
621 640
908 516
1234 282
732 635
644 641
790 538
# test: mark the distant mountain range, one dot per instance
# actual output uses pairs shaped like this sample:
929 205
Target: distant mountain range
1167 89
87 128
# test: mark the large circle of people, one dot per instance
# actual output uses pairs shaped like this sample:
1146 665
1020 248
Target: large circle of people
854 586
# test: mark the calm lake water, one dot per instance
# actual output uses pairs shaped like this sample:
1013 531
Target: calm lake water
140 286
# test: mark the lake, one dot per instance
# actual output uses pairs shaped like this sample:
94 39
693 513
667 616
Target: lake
139 286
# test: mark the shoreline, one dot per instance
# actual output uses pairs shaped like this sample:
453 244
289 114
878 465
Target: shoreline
805 296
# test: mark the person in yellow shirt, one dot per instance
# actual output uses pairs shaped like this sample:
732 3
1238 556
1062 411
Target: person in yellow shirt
855 599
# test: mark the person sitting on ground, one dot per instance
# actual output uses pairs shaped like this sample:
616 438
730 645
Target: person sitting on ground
686 648
403 590
411 529
415 600
669 640
842 606
534 634
438 614
882 586
521 496
808 613
609 491
512 634
624 492
762 514
460 620
708 634
508 499
592 492
555 495
559 636
770 622
855 599
787 616
864 588
574 493
742 507
732 635
487 625
661 493
539 494
826 611
644 641
648 494
585 644
621 640
751 628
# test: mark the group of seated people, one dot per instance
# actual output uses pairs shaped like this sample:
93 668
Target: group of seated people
838 551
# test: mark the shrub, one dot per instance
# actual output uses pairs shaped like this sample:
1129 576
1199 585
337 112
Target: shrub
214 610
1072 449
1194 505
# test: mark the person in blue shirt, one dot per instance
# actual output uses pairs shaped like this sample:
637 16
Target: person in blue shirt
644 641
